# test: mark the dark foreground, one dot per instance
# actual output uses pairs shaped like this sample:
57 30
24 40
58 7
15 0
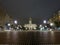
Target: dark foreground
30 37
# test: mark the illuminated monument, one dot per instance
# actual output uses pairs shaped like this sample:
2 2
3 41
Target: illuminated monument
30 26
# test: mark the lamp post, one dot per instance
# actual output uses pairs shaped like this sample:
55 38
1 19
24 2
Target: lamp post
45 24
15 24
9 26
52 25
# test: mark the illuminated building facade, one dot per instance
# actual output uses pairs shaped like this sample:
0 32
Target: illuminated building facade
30 26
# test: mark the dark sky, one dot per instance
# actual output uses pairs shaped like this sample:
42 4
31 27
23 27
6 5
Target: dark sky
37 9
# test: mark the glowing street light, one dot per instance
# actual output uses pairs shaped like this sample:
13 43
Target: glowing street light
15 22
40 26
44 21
51 24
45 26
9 24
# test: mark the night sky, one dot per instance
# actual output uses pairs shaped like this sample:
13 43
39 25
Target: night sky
37 9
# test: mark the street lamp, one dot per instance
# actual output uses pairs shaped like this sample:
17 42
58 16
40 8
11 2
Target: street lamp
15 22
9 24
44 21
51 24
40 26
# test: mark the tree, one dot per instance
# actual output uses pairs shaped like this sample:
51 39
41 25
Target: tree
57 23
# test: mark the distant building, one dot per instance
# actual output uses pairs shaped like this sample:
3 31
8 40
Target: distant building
30 26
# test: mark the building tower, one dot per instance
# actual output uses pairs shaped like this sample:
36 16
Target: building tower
30 20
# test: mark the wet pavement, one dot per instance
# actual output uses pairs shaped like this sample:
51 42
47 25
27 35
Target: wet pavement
30 37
